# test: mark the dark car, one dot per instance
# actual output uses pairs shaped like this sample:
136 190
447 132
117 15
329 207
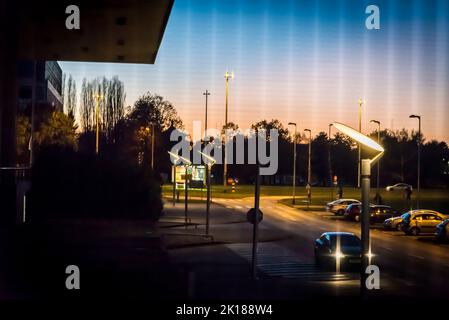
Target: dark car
335 249
352 211
442 231
378 213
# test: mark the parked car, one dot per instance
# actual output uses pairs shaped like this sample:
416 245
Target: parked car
339 206
399 186
394 223
442 231
352 211
420 221
338 247
378 213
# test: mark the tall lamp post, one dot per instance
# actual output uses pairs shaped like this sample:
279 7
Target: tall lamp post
225 164
378 163
309 167
413 116
209 163
187 163
294 162
207 94
359 164
329 161
366 180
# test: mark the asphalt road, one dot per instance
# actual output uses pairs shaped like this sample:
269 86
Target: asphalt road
409 266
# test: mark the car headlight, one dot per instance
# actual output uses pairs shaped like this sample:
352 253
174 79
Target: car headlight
339 255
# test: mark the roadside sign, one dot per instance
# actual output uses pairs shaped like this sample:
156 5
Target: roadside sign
251 216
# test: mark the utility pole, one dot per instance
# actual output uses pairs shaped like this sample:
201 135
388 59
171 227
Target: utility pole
225 164
309 170
207 93
419 158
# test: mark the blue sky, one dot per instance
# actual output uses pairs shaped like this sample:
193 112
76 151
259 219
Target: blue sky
304 61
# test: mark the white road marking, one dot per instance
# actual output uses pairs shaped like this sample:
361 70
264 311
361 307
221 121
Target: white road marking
238 207
387 248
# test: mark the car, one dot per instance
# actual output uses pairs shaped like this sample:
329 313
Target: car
339 206
338 248
442 231
378 213
420 221
352 211
399 186
394 223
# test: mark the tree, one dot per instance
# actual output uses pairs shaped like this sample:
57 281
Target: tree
273 124
71 97
23 138
59 129
152 108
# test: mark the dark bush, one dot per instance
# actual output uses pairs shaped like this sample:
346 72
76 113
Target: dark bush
67 184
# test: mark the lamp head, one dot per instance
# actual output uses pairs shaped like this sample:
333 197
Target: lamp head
292 123
375 121
359 137
211 160
415 116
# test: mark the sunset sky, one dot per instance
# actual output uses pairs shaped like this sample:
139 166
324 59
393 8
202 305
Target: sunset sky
303 61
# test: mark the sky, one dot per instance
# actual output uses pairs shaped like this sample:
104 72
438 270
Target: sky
305 61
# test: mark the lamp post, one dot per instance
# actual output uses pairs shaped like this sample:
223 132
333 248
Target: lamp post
210 162
309 167
359 164
365 175
225 164
294 162
186 187
207 94
329 161
419 158
152 145
98 97
378 163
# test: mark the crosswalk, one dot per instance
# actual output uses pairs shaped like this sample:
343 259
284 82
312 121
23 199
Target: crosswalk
239 204
277 261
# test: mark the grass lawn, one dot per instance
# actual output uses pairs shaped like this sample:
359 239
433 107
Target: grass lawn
436 199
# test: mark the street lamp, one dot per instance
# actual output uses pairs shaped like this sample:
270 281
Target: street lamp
294 162
359 164
378 163
98 97
329 160
186 188
207 94
309 167
365 175
225 164
413 116
152 124
210 162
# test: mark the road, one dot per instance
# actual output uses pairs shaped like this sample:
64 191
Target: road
409 266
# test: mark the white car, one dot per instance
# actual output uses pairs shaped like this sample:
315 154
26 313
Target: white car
399 186
339 206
